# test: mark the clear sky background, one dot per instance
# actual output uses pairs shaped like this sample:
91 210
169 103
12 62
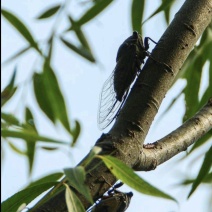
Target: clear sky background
81 83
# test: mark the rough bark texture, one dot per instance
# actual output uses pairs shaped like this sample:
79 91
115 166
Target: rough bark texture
125 139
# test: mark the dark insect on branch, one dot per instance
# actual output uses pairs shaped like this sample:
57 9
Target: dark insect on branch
114 201
130 56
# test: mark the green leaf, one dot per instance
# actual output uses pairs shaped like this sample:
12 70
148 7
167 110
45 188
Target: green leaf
72 201
97 8
75 132
19 53
137 11
76 178
207 179
205 168
41 95
30 136
10 119
49 12
55 96
30 150
49 148
16 149
127 176
79 50
81 36
9 90
165 6
46 179
201 141
193 77
20 27
25 196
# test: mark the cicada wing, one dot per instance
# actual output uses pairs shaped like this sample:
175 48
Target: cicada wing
108 105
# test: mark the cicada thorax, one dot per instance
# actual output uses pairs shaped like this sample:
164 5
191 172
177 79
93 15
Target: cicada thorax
131 55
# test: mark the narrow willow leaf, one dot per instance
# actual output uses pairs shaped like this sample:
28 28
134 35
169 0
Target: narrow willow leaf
49 148
10 119
55 96
25 196
163 7
205 168
97 8
41 95
16 149
79 33
75 132
9 90
207 179
46 179
49 12
137 11
81 51
72 201
193 77
19 53
76 178
20 27
30 146
127 176
201 141
30 136
94 151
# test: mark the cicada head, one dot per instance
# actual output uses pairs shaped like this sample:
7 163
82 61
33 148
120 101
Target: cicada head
115 202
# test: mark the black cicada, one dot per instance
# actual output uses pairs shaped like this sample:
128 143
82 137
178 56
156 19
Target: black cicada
115 201
130 56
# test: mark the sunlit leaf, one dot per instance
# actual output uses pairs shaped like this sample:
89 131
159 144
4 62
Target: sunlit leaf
30 136
75 132
205 168
137 11
49 12
79 50
9 90
97 8
72 201
25 196
127 176
20 27
76 178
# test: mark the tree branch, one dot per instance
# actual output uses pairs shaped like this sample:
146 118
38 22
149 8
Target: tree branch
177 141
125 139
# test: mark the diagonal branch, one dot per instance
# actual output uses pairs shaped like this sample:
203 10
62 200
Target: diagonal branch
125 139
177 141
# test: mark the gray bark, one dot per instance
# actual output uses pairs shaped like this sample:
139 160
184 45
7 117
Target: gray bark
125 139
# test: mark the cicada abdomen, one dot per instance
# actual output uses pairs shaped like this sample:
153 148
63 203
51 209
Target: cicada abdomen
130 56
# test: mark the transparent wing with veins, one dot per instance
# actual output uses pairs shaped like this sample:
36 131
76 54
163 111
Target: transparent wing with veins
109 106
